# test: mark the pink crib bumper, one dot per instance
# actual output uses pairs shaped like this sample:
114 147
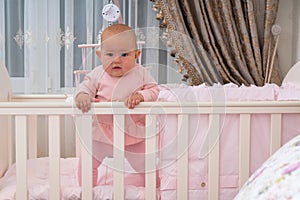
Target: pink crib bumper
228 137
229 92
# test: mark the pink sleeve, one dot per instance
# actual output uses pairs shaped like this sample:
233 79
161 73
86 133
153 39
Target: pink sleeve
90 84
150 89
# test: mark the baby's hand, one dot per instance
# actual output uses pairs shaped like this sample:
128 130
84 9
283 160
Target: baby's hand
133 100
83 102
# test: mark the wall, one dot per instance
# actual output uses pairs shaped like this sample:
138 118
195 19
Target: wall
288 48
296 28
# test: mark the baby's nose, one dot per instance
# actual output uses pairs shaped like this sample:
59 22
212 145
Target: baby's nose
117 59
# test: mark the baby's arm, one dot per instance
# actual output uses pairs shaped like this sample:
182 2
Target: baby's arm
86 91
149 91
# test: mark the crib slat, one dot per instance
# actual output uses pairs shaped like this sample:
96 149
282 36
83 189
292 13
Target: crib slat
244 149
85 133
150 157
77 144
275 137
11 152
182 155
213 158
119 190
32 136
54 156
21 157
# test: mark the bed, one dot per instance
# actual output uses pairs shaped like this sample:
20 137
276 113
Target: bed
231 131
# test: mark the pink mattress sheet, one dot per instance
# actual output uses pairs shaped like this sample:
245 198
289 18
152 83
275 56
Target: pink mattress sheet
38 176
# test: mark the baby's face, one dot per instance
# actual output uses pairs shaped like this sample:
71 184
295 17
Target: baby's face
118 54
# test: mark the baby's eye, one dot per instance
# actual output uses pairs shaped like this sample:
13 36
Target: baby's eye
109 54
124 54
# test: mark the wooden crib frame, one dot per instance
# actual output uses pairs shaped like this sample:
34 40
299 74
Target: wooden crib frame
24 112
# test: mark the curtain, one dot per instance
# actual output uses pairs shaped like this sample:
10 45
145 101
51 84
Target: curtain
222 41
39 41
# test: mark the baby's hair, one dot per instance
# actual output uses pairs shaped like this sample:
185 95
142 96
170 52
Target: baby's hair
118 28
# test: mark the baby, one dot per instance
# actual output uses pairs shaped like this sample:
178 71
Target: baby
119 78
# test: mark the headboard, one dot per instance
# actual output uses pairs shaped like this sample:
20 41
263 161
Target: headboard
5 95
293 74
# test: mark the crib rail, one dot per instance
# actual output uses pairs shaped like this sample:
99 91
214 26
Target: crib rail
23 111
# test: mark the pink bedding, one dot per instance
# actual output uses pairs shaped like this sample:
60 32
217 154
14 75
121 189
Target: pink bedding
38 187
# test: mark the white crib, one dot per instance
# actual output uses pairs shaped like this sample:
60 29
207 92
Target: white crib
23 133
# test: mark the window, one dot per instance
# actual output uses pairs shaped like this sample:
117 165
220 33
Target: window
39 41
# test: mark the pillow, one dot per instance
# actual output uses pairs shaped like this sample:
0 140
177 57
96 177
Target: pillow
278 177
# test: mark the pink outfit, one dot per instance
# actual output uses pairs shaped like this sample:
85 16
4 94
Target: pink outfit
106 88
99 84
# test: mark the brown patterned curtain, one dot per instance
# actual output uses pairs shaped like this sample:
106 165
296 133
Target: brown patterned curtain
221 41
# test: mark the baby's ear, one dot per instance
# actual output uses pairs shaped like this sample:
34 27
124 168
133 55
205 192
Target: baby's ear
98 53
137 54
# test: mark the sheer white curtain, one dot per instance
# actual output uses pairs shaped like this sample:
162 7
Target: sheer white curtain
2 29
30 49
39 41
296 31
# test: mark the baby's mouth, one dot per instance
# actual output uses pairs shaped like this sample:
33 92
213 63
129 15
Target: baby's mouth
116 67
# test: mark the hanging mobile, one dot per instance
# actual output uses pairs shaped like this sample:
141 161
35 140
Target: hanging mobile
111 12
